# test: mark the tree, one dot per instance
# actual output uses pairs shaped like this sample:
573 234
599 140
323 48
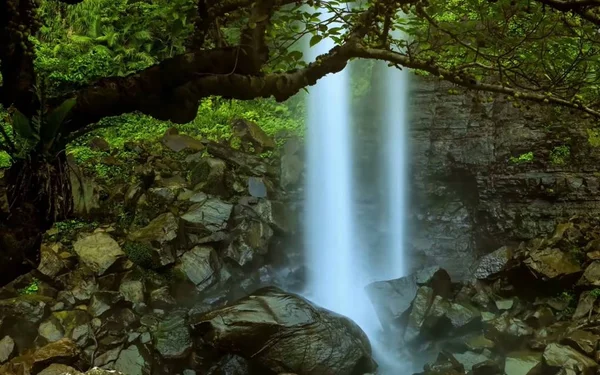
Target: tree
542 50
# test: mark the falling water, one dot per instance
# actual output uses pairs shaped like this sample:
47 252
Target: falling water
329 220
338 264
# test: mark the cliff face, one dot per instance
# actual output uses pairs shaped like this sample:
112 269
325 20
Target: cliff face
468 197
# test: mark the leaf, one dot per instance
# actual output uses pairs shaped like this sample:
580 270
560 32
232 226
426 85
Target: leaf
22 127
295 55
55 119
315 39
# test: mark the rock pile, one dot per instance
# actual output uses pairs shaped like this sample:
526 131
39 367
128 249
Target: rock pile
526 311
158 292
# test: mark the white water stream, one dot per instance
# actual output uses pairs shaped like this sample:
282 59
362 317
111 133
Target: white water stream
338 264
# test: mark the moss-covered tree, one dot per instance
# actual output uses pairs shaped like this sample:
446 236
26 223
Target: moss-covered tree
541 50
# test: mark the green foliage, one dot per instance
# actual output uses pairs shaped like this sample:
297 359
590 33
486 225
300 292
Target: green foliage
32 288
140 254
593 137
595 292
560 155
523 158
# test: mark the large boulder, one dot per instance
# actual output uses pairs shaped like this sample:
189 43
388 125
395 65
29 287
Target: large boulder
62 351
285 333
98 251
207 215
552 263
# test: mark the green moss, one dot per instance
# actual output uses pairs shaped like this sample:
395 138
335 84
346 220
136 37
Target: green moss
523 158
595 292
560 155
593 137
32 288
140 254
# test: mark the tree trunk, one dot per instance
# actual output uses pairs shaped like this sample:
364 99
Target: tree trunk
39 193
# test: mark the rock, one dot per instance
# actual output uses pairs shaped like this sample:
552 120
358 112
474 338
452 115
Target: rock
582 341
172 336
252 238
7 348
101 302
98 371
508 331
491 264
85 192
560 356
270 325
257 187
393 298
276 214
522 363
469 359
99 144
62 352
585 305
505 304
591 275
159 234
230 365
132 362
454 316
51 330
51 264
58 369
251 134
211 215
291 168
108 356
30 308
487 368
418 313
132 291
437 279
99 252
552 263
541 317
164 195
179 142
161 298
199 266
209 176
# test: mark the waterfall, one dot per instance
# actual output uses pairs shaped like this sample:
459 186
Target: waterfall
339 266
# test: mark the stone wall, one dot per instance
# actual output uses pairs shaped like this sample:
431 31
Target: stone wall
468 198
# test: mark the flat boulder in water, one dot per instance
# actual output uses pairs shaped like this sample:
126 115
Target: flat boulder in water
286 333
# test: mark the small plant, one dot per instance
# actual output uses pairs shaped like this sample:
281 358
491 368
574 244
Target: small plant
523 158
560 155
32 288
595 292
594 137
140 254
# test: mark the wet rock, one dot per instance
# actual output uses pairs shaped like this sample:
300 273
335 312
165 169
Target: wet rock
582 341
99 144
208 176
7 348
58 369
505 304
161 298
51 330
74 324
286 326
211 215
159 235
107 357
30 308
199 266
62 352
418 313
492 264
541 317
51 264
257 187
488 367
252 238
560 356
591 275
99 371
132 291
230 365
392 298
179 142
276 214
552 263
172 336
508 331
101 302
131 361
522 363
585 305
291 165
452 316
469 359
437 279
99 252
252 134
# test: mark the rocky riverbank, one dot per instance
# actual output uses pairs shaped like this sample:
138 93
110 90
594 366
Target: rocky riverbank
528 310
